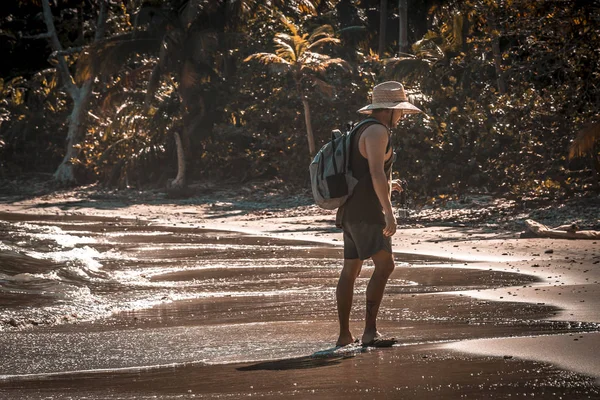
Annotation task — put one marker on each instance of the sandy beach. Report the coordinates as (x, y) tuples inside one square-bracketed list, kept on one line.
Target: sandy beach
[(480, 313)]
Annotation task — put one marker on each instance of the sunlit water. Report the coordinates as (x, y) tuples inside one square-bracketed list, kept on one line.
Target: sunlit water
[(56, 273), (52, 273)]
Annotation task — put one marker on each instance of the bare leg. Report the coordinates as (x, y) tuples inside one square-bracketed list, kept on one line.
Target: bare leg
[(384, 265), (344, 294)]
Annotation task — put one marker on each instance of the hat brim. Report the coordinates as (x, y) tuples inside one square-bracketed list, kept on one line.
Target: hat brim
[(405, 106)]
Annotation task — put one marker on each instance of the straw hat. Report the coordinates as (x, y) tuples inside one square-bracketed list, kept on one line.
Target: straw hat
[(390, 95)]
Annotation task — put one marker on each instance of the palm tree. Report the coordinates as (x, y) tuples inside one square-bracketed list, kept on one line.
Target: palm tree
[(298, 54), (415, 67), (188, 40), (184, 51)]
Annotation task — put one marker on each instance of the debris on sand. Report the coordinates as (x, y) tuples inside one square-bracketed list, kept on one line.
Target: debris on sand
[(535, 229)]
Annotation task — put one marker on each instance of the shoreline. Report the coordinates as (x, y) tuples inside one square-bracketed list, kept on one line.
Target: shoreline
[(568, 270)]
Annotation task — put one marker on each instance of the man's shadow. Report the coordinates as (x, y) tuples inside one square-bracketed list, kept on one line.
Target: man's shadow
[(323, 358), (305, 362)]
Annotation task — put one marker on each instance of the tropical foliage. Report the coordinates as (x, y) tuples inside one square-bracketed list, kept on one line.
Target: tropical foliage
[(297, 54), (177, 95)]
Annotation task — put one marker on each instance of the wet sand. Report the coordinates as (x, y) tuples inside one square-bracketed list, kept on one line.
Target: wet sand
[(417, 372), (478, 313)]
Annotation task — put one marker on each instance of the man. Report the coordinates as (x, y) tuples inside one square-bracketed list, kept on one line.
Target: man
[(367, 218)]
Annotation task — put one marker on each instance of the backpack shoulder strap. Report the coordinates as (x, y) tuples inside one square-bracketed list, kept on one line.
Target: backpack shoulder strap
[(365, 121)]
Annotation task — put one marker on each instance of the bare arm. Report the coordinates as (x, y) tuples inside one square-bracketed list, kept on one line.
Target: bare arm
[(375, 140)]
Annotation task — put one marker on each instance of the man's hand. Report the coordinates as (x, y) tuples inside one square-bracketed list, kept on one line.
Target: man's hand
[(397, 186), (390, 224)]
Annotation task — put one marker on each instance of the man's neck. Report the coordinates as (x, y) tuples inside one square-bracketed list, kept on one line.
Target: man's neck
[(384, 119)]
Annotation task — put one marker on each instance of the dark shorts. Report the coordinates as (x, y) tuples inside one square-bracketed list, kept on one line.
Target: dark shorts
[(364, 240)]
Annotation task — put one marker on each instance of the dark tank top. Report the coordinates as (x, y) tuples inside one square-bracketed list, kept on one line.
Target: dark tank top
[(364, 206)]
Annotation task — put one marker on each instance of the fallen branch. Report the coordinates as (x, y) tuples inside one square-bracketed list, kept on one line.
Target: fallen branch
[(535, 229)]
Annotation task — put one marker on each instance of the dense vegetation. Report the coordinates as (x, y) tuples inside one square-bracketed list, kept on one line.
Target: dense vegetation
[(170, 92)]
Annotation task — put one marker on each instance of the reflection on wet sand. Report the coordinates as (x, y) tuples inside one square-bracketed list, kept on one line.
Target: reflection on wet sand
[(168, 312)]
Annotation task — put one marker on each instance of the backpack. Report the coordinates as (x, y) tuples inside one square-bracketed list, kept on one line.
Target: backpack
[(331, 176)]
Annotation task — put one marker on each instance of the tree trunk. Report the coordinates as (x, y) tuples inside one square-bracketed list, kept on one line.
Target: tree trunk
[(65, 172), (192, 118), (497, 55), (595, 169), (179, 181), (309, 132), (403, 23), (382, 26), (498, 65), (465, 32)]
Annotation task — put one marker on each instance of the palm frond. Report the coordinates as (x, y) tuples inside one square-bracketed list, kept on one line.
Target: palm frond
[(353, 29), (309, 63), (267, 58), (323, 41), (307, 7), (300, 45), (406, 67), (428, 49), (321, 31), (321, 65), (289, 25), (585, 140), (285, 37), (311, 56), (285, 49), (338, 62), (108, 56)]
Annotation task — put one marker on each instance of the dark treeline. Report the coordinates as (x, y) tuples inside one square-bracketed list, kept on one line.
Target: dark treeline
[(160, 93)]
